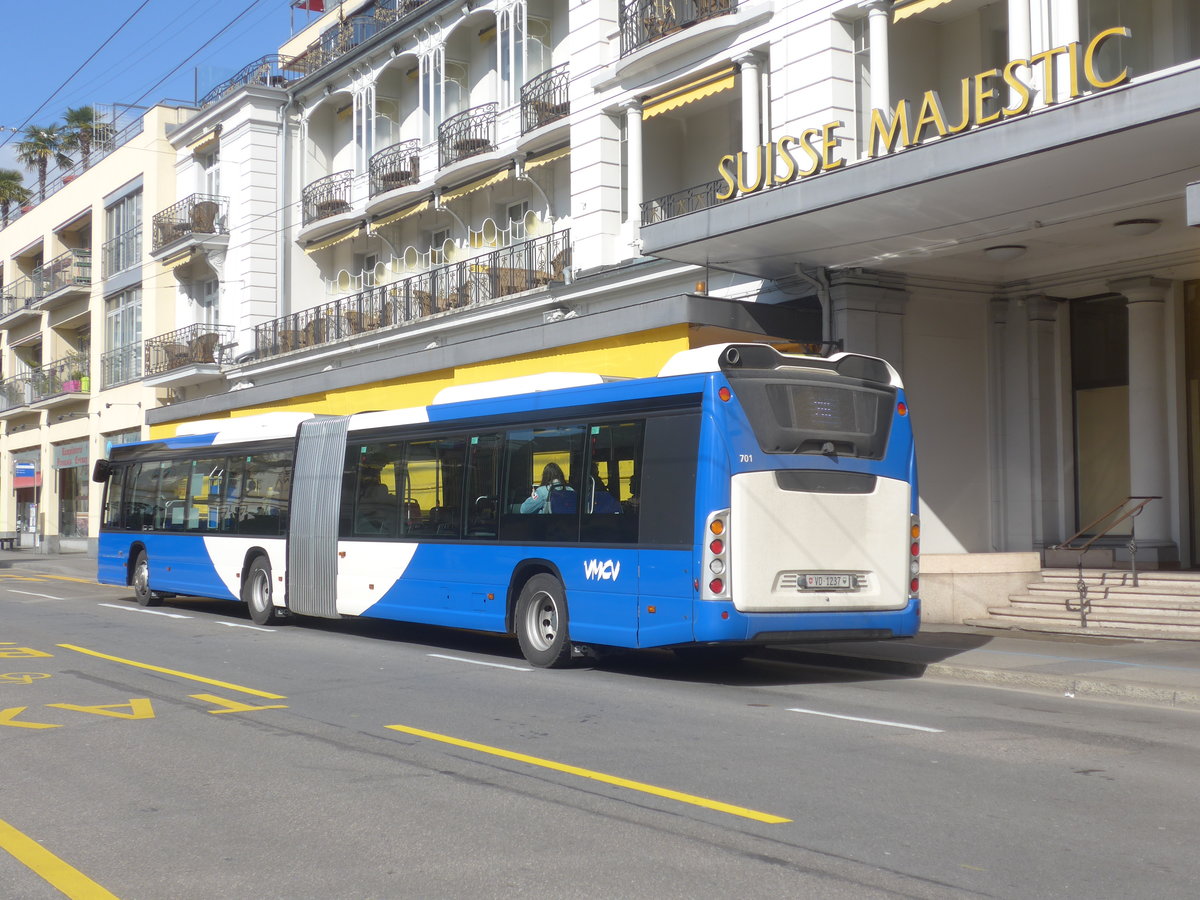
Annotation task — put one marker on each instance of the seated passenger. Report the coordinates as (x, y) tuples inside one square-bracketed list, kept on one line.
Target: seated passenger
[(552, 480)]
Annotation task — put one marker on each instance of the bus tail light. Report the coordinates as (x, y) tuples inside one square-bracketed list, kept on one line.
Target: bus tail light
[(914, 559), (716, 556)]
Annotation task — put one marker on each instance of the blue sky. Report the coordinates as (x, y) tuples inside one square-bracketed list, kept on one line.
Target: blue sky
[(46, 41)]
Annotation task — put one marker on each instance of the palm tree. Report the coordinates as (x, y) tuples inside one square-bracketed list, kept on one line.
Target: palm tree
[(83, 131), (12, 190), (40, 147)]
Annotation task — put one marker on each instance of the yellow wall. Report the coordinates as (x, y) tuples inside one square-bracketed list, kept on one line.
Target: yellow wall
[(633, 356)]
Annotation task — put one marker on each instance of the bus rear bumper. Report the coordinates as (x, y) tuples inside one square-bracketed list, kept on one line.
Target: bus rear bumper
[(717, 621)]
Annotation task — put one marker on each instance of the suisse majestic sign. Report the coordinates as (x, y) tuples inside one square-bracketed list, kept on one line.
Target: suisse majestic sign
[(777, 162)]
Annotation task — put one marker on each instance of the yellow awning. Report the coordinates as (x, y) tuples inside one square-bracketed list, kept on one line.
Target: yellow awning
[(336, 239), (547, 158), (917, 6), (174, 262), (207, 142), (403, 214), (474, 186), (710, 84)]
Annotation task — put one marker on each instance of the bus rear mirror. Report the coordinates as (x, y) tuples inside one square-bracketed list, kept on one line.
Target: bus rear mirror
[(101, 470)]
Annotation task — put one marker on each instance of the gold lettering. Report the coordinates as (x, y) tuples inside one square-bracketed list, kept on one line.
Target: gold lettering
[(931, 114), (806, 145), (760, 165), (1089, 59), (789, 161), (965, 104), (1019, 88), (771, 164), (897, 128), (730, 185), (981, 95), (1047, 57), (1073, 64), (829, 143)]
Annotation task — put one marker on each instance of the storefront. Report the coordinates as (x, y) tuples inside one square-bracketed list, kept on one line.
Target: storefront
[(71, 472), (27, 488)]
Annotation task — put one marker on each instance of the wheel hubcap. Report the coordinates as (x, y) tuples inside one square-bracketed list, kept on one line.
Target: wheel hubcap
[(543, 621), (141, 578)]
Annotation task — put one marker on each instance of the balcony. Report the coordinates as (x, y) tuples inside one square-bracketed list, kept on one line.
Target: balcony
[(467, 134), (20, 296), (121, 253), (16, 392), (680, 203), (269, 71), (348, 34), (63, 380), (326, 197), (187, 355), (646, 21), (544, 99), (466, 284), (67, 276), (395, 167), (121, 365), (190, 221)]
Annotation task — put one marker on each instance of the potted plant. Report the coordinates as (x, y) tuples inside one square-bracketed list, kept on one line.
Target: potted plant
[(72, 384)]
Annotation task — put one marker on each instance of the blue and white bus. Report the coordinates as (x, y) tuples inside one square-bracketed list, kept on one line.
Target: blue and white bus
[(743, 496)]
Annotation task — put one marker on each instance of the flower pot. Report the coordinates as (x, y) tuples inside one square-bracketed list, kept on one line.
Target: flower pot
[(85, 383), (71, 386)]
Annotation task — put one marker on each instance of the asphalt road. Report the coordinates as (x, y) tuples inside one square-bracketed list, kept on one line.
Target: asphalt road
[(182, 752)]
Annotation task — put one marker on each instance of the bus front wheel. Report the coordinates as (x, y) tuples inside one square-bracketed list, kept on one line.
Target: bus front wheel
[(542, 622), (256, 592), (140, 579)]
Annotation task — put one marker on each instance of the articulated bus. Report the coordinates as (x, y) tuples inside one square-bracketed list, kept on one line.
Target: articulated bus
[(742, 497)]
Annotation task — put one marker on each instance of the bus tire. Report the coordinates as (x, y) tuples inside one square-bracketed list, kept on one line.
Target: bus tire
[(139, 578), (541, 622), (257, 593)]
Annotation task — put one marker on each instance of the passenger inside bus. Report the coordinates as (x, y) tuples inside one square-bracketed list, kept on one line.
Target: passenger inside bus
[(552, 494)]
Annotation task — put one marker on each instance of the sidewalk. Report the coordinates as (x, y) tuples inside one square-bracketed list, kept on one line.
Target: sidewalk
[(1159, 672)]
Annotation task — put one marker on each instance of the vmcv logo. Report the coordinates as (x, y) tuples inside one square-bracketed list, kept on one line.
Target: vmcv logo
[(601, 570)]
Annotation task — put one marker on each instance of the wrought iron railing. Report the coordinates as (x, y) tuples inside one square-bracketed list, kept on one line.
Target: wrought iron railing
[(68, 375), (271, 70), (197, 214), (347, 35), (545, 98), (693, 199), (16, 391), (121, 252), (460, 285), (395, 166), (73, 268), (20, 294), (645, 21), (467, 134), (193, 345), (327, 196), (121, 365)]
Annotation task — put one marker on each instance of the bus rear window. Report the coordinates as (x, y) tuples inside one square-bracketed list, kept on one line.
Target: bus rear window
[(810, 413)]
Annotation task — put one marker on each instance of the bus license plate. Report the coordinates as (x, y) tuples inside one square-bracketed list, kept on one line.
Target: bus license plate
[(825, 582)]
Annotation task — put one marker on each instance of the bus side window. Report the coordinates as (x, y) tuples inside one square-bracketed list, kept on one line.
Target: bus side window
[(540, 506), (610, 512), (143, 495), (483, 484), (666, 480), (114, 497), (433, 473), (379, 482), (206, 494)]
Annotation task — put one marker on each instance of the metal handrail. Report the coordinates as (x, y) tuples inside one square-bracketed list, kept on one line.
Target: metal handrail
[(1131, 515)]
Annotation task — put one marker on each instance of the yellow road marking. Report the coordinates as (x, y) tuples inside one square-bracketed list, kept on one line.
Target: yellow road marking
[(38, 576), (597, 776), (232, 705), (49, 867), (176, 673)]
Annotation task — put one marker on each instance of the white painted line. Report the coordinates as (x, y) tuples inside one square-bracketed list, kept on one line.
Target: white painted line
[(138, 609), (813, 712), (251, 627), (476, 662), (32, 594)]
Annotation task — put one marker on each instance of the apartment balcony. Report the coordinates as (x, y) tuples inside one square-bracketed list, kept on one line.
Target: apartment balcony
[(65, 278), (121, 365), (19, 300), (269, 71), (327, 197), (459, 286), (646, 21), (469, 133), (545, 99), (351, 32), (199, 220), (62, 381), (121, 252), (16, 393), (680, 203), (186, 356), (395, 167)]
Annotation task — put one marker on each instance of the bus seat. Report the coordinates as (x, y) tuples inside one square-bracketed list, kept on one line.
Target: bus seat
[(563, 500)]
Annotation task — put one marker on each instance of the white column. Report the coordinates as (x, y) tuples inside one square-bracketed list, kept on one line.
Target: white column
[(633, 167), (881, 87), (1020, 36), (751, 78), (1149, 473), (1065, 30)]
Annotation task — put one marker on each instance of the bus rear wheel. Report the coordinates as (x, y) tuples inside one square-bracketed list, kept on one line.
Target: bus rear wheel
[(542, 622), (140, 580), (256, 592)]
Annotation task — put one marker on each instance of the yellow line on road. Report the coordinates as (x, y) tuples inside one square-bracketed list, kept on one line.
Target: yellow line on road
[(49, 867), (176, 673), (597, 776)]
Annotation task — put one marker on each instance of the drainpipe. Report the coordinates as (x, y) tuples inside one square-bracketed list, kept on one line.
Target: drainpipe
[(820, 284), (285, 210)]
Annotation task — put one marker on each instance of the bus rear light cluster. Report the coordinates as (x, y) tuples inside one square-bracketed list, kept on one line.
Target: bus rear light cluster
[(914, 560), (716, 556)]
